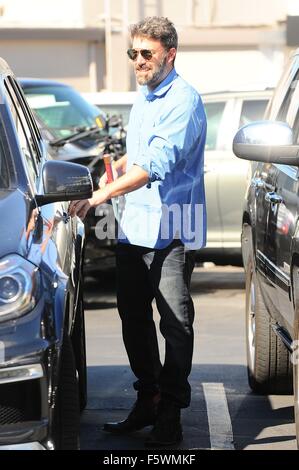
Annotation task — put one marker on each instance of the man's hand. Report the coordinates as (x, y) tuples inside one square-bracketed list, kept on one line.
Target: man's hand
[(104, 179), (118, 169), (132, 180), (81, 207)]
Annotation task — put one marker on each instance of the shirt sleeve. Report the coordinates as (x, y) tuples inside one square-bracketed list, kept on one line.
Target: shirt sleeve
[(173, 138)]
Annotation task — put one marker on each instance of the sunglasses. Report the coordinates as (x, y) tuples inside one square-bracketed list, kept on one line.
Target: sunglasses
[(147, 54)]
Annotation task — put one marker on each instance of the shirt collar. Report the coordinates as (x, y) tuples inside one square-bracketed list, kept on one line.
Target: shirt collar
[(162, 88)]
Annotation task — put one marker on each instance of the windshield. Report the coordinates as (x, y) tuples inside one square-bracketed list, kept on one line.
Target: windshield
[(62, 109)]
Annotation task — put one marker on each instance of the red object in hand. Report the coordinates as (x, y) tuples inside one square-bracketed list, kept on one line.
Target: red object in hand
[(108, 168)]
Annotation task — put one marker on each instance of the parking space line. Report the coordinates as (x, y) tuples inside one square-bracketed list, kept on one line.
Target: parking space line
[(220, 426)]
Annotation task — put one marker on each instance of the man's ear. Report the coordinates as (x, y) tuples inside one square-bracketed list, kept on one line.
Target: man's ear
[(171, 54)]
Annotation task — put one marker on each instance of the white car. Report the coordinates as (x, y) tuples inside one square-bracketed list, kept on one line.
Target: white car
[(225, 176), (113, 103)]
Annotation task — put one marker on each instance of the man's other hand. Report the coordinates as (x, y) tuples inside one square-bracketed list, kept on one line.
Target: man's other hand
[(104, 179)]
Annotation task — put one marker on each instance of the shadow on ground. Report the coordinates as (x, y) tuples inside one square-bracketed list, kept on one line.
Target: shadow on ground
[(111, 396), (210, 280), (100, 291)]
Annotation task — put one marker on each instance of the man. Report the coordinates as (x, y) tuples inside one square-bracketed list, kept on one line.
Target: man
[(163, 222)]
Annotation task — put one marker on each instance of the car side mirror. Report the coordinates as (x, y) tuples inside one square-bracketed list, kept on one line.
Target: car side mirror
[(64, 181), (266, 141)]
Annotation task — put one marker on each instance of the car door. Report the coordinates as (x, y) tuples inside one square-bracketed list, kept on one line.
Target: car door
[(263, 184), (283, 216), (217, 111), (56, 228), (232, 179)]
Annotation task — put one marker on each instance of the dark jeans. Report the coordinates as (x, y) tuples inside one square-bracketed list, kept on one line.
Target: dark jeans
[(142, 275)]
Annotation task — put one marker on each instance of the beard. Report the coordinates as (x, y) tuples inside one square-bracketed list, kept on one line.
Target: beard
[(151, 77)]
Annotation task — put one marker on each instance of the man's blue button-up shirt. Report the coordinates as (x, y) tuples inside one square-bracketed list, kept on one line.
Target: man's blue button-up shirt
[(166, 137)]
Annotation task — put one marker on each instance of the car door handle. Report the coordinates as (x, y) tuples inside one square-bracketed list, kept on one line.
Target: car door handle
[(62, 216), (65, 217), (258, 183), (273, 198)]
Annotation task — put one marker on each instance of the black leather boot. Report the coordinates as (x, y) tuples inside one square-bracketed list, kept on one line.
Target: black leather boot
[(167, 430), (144, 413)]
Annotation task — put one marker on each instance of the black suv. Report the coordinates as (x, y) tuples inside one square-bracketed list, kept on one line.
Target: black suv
[(270, 242), (42, 338)]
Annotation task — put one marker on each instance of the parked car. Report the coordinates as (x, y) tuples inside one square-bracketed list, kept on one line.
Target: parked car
[(42, 337), (113, 103), (270, 242), (225, 177), (77, 131), (61, 108)]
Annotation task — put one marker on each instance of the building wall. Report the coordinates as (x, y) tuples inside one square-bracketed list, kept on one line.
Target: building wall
[(42, 12), (222, 42), (64, 60), (201, 13), (236, 12), (245, 40), (230, 69)]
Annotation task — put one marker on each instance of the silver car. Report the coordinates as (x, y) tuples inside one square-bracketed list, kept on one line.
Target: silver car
[(226, 176)]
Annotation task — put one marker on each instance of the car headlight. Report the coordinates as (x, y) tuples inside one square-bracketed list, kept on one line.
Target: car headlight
[(19, 286)]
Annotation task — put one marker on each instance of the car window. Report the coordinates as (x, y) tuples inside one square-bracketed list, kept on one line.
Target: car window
[(280, 91), (33, 125), (62, 109), (214, 112), (283, 111), (23, 133), (4, 173), (296, 128), (252, 110)]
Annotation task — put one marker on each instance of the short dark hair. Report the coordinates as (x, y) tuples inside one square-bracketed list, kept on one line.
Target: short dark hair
[(158, 28)]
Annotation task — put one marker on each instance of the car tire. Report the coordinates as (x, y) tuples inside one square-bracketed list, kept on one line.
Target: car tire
[(67, 413), (79, 345), (269, 367)]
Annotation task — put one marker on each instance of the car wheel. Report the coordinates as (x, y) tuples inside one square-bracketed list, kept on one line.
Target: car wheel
[(66, 413), (269, 368), (79, 345)]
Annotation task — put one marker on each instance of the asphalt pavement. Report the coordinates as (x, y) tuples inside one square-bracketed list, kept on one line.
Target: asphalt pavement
[(224, 413)]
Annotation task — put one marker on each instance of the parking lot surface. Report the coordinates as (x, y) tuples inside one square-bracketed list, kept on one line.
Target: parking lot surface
[(224, 413)]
